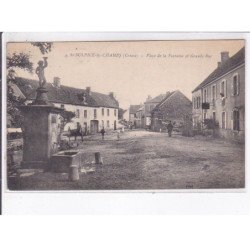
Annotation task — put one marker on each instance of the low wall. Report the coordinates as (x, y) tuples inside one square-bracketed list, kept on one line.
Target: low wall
[(233, 135)]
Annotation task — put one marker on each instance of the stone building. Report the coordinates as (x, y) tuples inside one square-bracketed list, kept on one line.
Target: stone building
[(175, 107), (140, 117), (132, 114), (149, 105), (93, 110), (221, 97)]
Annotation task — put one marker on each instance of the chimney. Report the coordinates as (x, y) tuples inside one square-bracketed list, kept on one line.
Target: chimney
[(167, 93), (57, 82), (88, 90), (149, 97), (111, 94), (224, 56), (219, 64)]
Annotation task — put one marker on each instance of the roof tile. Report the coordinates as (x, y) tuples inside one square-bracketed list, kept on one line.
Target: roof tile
[(66, 95)]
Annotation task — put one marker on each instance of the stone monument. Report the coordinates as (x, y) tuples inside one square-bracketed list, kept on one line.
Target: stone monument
[(41, 126)]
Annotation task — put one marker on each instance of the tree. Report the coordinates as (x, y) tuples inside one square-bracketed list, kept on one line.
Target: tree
[(66, 117), (14, 97)]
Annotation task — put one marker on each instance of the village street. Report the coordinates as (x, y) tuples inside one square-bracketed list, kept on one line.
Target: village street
[(149, 160)]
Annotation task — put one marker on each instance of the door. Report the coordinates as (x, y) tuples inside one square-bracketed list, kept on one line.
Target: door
[(85, 128), (94, 126)]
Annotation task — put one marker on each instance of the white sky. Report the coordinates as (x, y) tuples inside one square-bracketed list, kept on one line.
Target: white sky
[(131, 78)]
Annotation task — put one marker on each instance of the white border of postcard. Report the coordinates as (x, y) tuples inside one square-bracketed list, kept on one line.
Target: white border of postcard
[(198, 201)]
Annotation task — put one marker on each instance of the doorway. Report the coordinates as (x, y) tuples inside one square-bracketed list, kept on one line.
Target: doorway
[(94, 124)]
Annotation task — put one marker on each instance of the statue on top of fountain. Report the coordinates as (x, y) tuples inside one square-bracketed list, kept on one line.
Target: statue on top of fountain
[(40, 72)]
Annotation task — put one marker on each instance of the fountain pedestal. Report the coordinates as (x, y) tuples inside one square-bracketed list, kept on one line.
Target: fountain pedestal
[(41, 129)]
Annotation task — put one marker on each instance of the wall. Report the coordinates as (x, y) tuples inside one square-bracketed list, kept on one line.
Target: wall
[(148, 107), (196, 109), (176, 107), (132, 118), (230, 102), (90, 116)]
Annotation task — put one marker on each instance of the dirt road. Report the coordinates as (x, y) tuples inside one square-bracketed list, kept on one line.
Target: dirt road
[(149, 160)]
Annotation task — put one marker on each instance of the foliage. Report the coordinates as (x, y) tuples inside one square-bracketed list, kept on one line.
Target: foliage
[(210, 123), (14, 116), (19, 61), (66, 117), (44, 47)]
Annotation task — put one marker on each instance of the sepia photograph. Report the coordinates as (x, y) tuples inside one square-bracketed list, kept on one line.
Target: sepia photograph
[(125, 115)]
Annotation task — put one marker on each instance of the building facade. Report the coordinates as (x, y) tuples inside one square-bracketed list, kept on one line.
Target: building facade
[(221, 98), (175, 107), (149, 105), (132, 114), (93, 110)]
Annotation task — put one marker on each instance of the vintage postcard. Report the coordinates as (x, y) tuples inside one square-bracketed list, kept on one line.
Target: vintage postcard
[(125, 114)]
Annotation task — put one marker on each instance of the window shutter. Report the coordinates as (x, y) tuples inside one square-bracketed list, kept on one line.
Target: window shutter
[(225, 120), (225, 88), (232, 87), (238, 84), (232, 120)]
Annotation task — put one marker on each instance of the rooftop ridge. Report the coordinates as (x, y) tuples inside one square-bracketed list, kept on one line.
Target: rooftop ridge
[(233, 62)]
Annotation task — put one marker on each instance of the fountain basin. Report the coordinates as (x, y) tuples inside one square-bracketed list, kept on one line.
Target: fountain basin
[(64, 160)]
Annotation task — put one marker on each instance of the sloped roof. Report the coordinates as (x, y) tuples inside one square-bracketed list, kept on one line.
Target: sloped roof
[(16, 91), (158, 98), (163, 100), (66, 95), (168, 97), (140, 109), (233, 62), (133, 108)]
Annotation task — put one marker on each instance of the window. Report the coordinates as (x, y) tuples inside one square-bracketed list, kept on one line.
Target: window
[(197, 102), (194, 103), (95, 114), (213, 93), (205, 95), (107, 112), (102, 124), (62, 106), (107, 124), (236, 120), (223, 87), (205, 116), (102, 111), (85, 114), (214, 117), (235, 84), (77, 113), (223, 120), (114, 112)]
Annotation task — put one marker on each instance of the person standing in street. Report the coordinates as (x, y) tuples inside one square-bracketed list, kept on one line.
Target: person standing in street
[(103, 133), (118, 134), (170, 128)]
